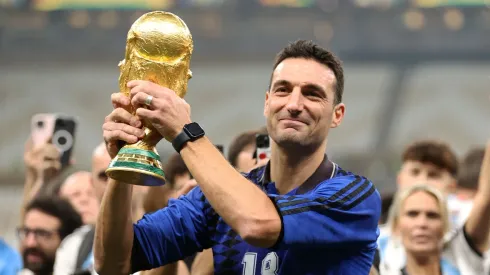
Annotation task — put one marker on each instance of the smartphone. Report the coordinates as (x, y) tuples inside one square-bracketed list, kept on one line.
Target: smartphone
[(263, 147), (58, 129)]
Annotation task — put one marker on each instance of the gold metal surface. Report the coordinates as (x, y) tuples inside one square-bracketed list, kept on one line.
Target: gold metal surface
[(158, 49)]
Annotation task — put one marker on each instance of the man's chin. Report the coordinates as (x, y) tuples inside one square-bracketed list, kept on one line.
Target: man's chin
[(291, 140)]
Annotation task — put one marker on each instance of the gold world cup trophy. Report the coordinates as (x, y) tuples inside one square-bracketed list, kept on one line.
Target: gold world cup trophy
[(158, 49)]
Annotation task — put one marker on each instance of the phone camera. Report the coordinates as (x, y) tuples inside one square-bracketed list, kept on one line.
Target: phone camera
[(40, 124), (62, 140)]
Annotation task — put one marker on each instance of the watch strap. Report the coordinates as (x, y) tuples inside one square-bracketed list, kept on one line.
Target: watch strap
[(180, 140)]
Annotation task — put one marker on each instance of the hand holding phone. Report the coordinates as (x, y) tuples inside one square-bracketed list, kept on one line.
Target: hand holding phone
[(56, 129), (263, 149)]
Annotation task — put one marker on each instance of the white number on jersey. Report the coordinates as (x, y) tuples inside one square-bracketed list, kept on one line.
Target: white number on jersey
[(270, 264)]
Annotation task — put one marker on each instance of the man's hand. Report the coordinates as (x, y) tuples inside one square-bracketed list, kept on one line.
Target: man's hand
[(167, 112), (42, 161), (120, 125)]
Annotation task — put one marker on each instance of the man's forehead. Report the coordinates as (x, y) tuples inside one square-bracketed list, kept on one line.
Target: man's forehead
[(424, 165), (39, 219), (300, 71)]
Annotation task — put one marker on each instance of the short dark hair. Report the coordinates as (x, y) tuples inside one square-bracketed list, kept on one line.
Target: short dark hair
[(433, 152), (241, 141), (470, 169), (60, 209), (175, 166), (307, 49)]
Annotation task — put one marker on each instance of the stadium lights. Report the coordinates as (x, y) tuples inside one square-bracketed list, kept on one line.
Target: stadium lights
[(454, 19), (79, 19), (107, 19), (414, 20)]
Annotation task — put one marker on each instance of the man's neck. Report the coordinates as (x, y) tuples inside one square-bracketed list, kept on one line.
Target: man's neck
[(288, 171), (425, 265)]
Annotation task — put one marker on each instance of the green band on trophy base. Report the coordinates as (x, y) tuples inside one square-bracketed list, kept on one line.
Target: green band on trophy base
[(140, 152), (137, 166)]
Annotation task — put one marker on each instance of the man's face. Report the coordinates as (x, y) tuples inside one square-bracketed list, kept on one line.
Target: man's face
[(414, 172), (300, 107), (100, 162), (80, 192), (39, 240)]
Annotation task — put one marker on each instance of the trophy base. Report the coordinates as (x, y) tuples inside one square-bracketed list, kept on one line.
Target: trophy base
[(138, 167)]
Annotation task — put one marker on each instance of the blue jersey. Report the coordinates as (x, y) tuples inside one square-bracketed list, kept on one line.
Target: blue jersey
[(329, 226), (10, 260)]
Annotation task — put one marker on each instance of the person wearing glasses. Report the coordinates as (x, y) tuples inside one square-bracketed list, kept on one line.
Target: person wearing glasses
[(47, 221)]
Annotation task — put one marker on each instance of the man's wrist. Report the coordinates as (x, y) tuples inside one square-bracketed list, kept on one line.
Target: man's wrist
[(190, 132)]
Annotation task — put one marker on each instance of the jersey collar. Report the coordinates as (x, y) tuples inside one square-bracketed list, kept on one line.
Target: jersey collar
[(325, 171)]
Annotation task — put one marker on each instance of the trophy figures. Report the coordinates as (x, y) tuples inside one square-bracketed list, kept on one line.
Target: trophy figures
[(158, 49)]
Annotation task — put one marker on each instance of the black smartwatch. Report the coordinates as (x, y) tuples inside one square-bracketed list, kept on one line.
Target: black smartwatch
[(191, 132)]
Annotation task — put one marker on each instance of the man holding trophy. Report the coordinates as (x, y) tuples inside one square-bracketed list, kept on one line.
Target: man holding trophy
[(299, 214)]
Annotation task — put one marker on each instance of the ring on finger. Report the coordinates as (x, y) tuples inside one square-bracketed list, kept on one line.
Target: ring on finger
[(148, 100)]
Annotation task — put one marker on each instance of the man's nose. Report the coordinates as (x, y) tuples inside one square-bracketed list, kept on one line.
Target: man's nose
[(30, 240), (295, 101)]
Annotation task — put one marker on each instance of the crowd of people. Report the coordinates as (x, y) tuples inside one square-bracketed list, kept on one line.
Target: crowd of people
[(297, 212)]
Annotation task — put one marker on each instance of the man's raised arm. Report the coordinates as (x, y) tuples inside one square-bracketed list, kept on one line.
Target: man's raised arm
[(162, 237), (114, 230)]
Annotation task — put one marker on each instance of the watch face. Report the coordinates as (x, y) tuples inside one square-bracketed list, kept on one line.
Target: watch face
[(194, 130)]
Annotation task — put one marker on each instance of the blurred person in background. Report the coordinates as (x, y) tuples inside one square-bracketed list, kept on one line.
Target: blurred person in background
[(242, 149), (42, 166), (74, 255), (10, 259), (461, 201), (179, 182), (47, 221), (425, 161), (272, 212), (429, 161), (420, 217), (419, 222), (80, 192)]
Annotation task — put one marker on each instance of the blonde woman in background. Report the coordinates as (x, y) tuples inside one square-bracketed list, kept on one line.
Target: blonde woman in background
[(419, 217)]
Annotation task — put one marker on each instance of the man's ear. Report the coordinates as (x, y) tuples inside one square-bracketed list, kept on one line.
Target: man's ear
[(337, 115), (266, 103)]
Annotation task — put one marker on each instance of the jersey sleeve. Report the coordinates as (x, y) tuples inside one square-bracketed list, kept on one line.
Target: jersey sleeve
[(171, 233), (461, 254), (343, 211)]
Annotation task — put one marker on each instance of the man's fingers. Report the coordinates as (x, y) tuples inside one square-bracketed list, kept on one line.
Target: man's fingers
[(119, 100), (128, 129), (143, 113), (139, 101), (123, 116), (115, 135), (133, 83)]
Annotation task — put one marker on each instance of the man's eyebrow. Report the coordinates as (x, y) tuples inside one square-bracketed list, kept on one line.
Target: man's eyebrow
[(316, 87), (281, 82)]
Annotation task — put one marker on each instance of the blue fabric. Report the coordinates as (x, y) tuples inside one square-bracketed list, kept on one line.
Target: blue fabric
[(331, 229), (89, 262), (10, 260), (448, 269)]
